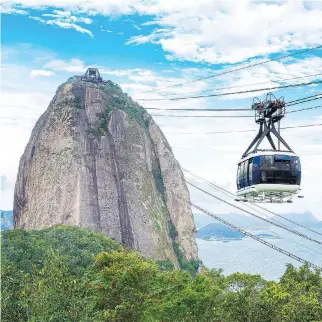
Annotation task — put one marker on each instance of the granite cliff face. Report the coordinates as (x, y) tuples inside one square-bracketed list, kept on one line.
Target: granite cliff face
[(96, 159)]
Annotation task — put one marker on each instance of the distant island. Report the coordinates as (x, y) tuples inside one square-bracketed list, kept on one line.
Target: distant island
[(220, 232), (217, 231), (267, 236)]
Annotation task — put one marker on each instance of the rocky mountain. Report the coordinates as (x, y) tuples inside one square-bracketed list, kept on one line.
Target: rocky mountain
[(96, 159)]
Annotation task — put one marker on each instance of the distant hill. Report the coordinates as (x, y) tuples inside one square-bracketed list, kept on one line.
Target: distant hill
[(216, 231), (242, 221), (307, 219), (6, 219), (250, 222)]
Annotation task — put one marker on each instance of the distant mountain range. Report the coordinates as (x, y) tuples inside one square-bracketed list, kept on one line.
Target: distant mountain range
[(249, 222), (210, 229), (6, 219)]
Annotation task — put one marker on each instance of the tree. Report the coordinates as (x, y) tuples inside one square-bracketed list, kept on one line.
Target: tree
[(241, 297), (51, 293), (121, 283)]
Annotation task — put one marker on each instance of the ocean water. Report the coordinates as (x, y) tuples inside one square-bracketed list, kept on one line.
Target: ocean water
[(250, 256)]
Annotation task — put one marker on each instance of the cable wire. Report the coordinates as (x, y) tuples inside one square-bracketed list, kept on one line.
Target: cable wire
[(252, 214), (304, 101), (227, 192), (201, 109), (304, 109), (230, 93), (226, 109), (243, 131), (291, 255), (216, 116), (307, 97), (220, 116), (237, 69), (246, 85)]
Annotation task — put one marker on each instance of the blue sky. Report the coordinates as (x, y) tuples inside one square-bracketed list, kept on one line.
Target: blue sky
[(144, 45)]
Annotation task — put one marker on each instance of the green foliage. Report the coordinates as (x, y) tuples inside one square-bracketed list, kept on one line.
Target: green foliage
[(122, 101), (61, 86), (121, 283), (165, 265), (71, 274), (243, 292), (92, 131), (78, 247), (172, 230), (51, 293), (185, 298), (157, 176), (78, 103), (136, 114), (104, 119), (12, 284), (191, 266)]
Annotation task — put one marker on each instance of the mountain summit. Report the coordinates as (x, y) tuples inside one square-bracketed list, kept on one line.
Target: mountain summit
[(96, 159)]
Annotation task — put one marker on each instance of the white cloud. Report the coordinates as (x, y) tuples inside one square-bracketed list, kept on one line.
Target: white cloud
[(41, 72), (230, 32), (137, 27), (153, 38), (58, 14), (8, 9), (65, 20), (106, 30), (67, 25), (204, 31), (66, 16), (72, 66)]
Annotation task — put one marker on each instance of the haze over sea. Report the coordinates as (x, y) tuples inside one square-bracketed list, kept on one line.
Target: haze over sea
[(250, 256)]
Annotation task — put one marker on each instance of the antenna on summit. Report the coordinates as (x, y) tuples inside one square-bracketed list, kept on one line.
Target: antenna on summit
[(92, 75)]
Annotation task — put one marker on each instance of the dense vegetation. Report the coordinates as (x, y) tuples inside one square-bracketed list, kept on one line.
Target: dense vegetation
[(71, 274)]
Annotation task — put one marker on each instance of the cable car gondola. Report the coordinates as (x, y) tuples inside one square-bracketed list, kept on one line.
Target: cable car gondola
[(272, 175)]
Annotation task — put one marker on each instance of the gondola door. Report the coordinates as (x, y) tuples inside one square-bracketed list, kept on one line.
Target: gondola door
[(250, 172)]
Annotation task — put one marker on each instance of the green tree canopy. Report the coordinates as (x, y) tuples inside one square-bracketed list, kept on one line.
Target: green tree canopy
[(71, 274)]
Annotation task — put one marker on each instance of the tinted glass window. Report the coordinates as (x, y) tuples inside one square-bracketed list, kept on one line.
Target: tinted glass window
[(282, 165), (245, 168), (295, 163), (242, 169), (267, 161), (250, 170), (238, 171)]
